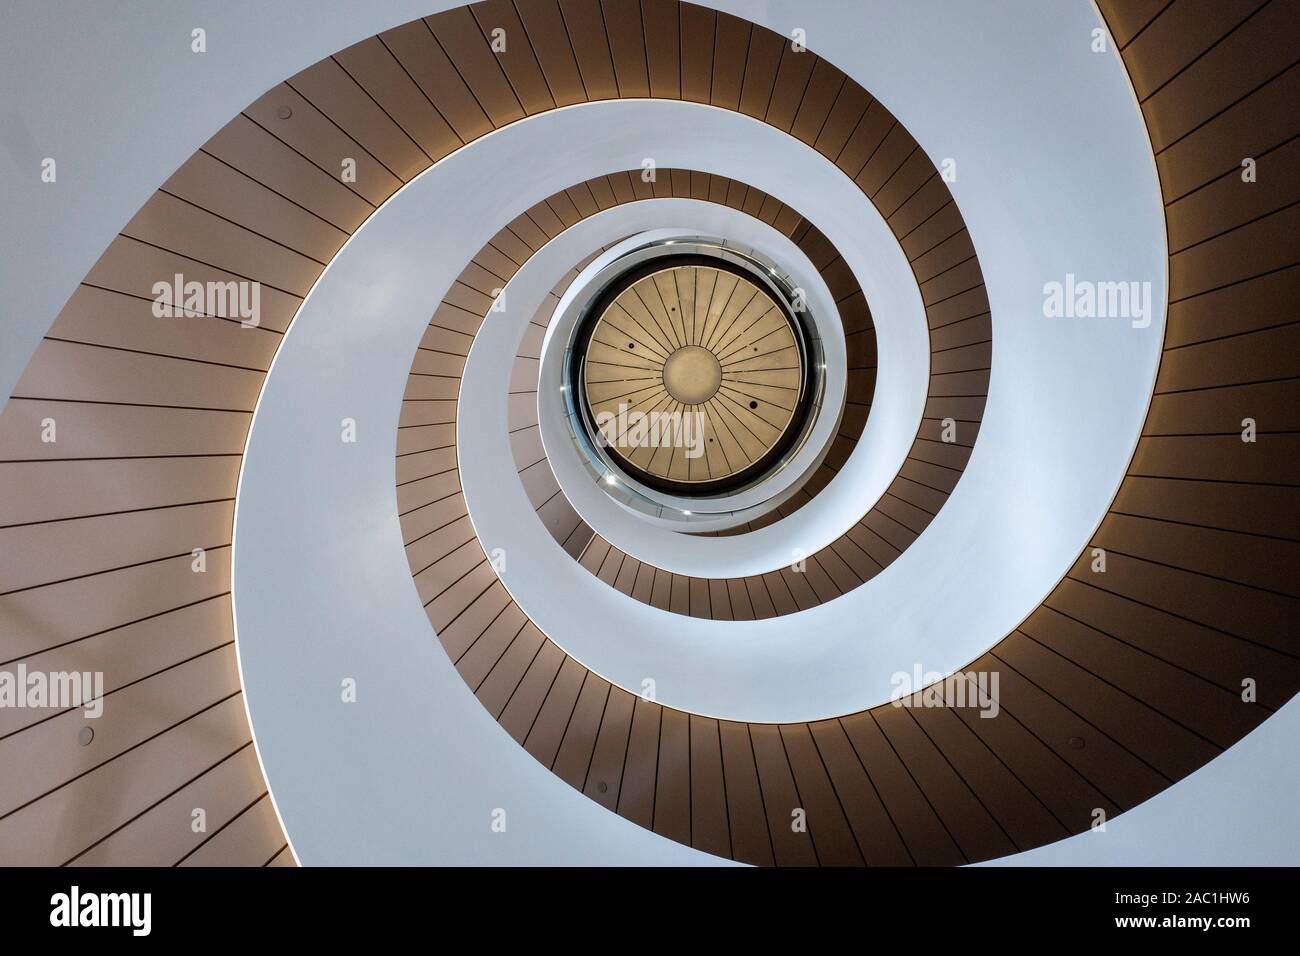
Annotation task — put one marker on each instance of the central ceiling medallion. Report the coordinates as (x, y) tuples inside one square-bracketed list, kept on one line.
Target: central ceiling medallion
[(694, 375)]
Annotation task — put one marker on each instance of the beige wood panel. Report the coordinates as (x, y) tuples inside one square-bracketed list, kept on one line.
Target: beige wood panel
[(479, 660), (99, 818), (221, 789), (636, 801), (498, 687), (424, 60), (257, 155), (210, 184), (548, 729), (127, 654), (191, 231), (50, 752), (106, 318), (374, 68), (461, 39), (874, 832), (133, 267), (115, 485), (517, 60), (585, 25), (310, 133), (341, 100), (53, 615), (782, 801), (60, 550), (579, 737), (627, 44), (524, 702), (253, 838)]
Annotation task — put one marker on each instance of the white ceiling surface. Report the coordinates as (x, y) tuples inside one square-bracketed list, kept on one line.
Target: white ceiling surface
[(122, 102)]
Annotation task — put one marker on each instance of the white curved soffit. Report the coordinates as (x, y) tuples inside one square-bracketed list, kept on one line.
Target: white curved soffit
[(337, 575)]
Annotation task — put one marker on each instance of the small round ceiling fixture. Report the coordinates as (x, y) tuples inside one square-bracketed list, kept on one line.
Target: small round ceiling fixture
[(692, 375)]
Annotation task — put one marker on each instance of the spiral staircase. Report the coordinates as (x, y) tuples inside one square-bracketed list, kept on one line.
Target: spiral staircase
[(367, 584)]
